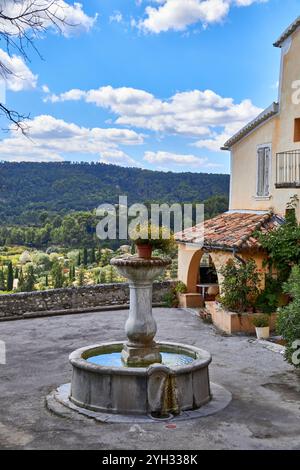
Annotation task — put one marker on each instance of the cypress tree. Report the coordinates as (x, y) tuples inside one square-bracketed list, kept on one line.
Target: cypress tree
[(2, 280), (81, 278), (93, 256), (72, 273), (109, 274), (85, 257), (10, 276), (17, 273), (30, 279), (79, 259), (46, 281), (102, 277), (57, 276), (21, 281)]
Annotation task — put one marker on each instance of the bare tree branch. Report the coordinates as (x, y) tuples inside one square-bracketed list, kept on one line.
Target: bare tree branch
[(21, 23), (18, 120)]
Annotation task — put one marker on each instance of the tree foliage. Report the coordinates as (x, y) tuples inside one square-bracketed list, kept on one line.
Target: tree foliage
[(240, 285), (288, 323), (33, 193), (10, 276), (283, 246), (27, 281), (57, 275)]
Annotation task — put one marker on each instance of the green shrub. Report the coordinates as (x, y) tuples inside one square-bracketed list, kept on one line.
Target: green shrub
[(261, 321), (240, 285), (268, 300), (171, 298), (283, 244), (180, 287), (288, 322)]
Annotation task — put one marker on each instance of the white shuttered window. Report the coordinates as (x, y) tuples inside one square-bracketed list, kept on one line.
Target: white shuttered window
[(263, 171)]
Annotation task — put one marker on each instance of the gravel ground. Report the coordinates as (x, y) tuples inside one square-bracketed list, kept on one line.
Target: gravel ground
[(264, 412)]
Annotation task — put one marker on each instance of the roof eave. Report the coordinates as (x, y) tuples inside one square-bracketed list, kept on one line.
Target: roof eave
[(287, 33), (267, 114)]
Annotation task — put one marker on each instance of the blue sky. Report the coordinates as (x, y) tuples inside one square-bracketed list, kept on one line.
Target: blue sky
[(147, 83)]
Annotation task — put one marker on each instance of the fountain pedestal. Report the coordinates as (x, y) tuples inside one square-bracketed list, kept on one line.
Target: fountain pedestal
[(140, 350)]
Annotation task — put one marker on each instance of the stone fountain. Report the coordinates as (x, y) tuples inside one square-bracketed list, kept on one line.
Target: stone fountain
[(140, 376)]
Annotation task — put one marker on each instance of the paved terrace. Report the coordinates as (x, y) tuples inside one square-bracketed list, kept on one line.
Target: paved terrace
[(264, 412)]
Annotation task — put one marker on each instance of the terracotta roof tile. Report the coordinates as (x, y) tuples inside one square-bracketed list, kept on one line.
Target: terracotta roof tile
[(231, 230)]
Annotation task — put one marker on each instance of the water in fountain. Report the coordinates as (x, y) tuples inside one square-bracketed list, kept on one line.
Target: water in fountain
[(114, 359)]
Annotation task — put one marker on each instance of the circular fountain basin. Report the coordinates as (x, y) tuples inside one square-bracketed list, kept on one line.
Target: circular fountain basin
[(102, 383)]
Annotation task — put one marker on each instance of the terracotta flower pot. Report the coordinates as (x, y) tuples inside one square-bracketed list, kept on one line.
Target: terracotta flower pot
[(144, 251)]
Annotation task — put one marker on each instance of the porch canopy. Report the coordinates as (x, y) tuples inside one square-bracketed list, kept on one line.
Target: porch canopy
[(224, 236)]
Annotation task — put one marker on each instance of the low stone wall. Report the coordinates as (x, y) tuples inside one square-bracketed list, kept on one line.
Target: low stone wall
[(72, 300)]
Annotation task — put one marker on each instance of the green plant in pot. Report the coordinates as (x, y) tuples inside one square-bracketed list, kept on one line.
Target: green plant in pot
[(171, 299), (262, 326), (151, 237)]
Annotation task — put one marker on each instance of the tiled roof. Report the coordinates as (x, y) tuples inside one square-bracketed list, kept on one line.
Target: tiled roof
[(262, 117), (231, 230), (290, 30)]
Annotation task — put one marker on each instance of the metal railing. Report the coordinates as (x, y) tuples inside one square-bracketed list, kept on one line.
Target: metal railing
[(288, 169)]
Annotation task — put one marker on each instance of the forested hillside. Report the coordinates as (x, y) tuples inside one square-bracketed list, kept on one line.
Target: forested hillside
[(30, 192)]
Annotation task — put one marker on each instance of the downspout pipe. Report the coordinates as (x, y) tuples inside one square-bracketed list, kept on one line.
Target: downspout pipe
[(241, 260), (231, 250)]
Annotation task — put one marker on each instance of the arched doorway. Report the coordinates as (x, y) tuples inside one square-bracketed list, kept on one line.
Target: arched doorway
[(207, 270), (208, 278), (201, 273), (193, 271)]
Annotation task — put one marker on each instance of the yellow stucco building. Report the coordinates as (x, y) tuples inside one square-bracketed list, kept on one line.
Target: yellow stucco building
[(265, 175)]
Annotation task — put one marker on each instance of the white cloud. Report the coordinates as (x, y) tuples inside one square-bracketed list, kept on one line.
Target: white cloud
[(177, 15), (71, 95), (45, 89), (51, 139), (204, 115), (117, 157), (70, 18), (160, 158), (18, 76), (116, 17)]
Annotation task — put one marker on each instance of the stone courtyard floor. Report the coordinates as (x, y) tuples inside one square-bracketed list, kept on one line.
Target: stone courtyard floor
[(264, 412)]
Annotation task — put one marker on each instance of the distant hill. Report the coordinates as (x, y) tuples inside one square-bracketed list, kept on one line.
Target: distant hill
[(29, 189)]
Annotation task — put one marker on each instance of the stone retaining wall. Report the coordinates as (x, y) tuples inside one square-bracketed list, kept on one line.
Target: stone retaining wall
[(72, 300)]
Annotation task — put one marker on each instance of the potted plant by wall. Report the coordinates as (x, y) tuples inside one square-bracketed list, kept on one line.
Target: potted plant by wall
[(151, 237), (180, 289), (262, 326)]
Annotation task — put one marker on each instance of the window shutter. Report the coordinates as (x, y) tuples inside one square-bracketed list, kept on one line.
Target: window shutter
[(267, 171), (263, 171), (260, 172)]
